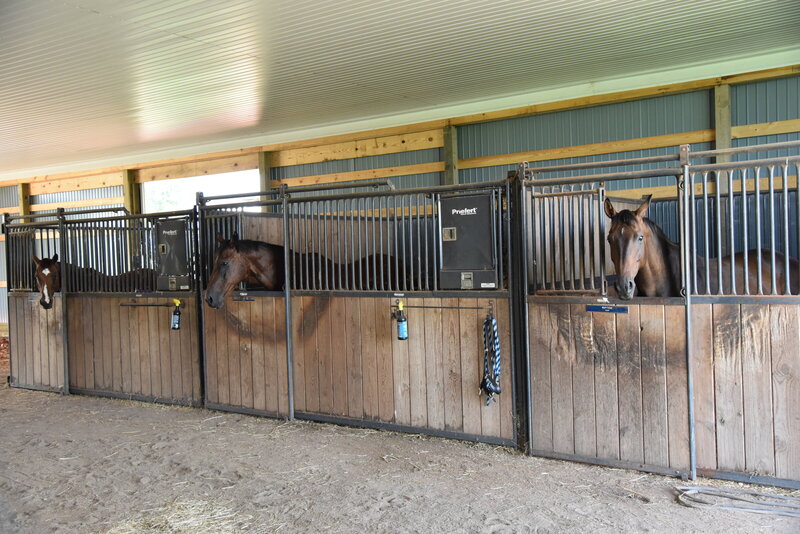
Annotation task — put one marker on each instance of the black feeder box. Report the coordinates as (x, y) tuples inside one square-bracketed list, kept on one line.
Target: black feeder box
[(174, 265), (467, 255)]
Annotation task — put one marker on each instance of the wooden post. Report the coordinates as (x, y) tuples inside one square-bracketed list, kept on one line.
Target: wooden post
[(131, 192), (450, 155), (24, 198), (265, 176), (722, 139)]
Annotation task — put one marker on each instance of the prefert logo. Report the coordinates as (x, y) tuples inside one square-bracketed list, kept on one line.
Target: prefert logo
[(465, 211)]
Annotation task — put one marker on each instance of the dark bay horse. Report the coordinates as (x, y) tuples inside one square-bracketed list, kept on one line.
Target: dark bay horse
[(648, 264), (259, 263), (48, 277)]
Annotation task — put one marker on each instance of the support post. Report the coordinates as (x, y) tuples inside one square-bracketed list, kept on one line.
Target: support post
[(265, 176), (24, 198), (722, 121), (131, 192), (450, 155)]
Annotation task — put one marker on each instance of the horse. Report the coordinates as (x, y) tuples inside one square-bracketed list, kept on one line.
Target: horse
[(48, 276), (259, 263), (648, 263)]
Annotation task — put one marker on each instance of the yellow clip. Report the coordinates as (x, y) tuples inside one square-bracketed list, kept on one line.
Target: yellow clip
[(176, 302), (400, 305)]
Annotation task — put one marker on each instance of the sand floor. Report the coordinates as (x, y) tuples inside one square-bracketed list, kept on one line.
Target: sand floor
[(82, 464)]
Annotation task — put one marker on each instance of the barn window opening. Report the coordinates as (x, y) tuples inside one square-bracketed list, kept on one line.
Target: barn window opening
[(181, 193)]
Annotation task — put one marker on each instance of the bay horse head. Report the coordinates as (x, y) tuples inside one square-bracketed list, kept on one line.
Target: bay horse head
[(48, 276), (646, 262), (243, 260)]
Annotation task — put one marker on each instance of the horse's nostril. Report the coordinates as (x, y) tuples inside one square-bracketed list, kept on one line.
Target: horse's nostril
[(630, 284)]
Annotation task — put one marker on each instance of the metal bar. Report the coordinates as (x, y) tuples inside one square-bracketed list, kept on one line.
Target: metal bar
[(357, 184), (720, 237), (396, 246), (731, 234), (670, 171), (688, 194), (752, 163), (607, 163), (772, 244), (787, 271), (758, 230), (751, 148), (745, 231), (287, 297), (32, 216)]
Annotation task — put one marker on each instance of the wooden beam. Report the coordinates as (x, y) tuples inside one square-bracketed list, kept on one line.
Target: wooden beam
[(722, 120), (86, 203), (374, 146), (24, 198), (77, 184), (765, 128), (131, 192), (594, 149), (450, 155), (198, 168), (264, 176), (370, 174)]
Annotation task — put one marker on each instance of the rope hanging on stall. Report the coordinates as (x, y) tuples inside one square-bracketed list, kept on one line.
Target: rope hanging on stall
[(491, 359)]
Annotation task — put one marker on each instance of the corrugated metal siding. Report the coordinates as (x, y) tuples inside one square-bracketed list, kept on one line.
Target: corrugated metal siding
[(8, 196), (765, 101)]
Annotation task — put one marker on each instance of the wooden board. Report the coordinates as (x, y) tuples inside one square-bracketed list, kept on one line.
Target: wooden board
[(728, 387), (130, 350), (35, 338)]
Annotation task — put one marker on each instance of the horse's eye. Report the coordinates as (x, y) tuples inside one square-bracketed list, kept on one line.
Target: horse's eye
[(224, 263), (641, 238)]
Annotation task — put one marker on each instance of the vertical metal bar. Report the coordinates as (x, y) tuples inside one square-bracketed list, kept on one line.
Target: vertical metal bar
[(287, 297), (404, 243), (64, 289), (328, 246), (601, 198), (758, 231), (358, 229), (732, 245), (592, 239), (396, 286), (745, 231), (707, 244), (419, 245), (688, 193), (787, 290), (772, 243), (719, 232), (436, 222)]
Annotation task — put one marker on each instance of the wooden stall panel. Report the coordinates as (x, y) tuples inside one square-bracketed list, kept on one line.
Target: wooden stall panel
[(130, 351), (246, 356), (36, 342), (602, 387), (348, 363)]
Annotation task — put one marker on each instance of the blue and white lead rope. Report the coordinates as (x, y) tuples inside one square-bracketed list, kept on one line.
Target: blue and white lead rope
[(491, 351)]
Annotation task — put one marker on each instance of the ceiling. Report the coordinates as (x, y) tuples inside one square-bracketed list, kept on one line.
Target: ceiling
[(94, 83)]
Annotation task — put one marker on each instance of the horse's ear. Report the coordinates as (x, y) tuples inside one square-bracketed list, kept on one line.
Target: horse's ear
[(55, 257), (610, 211), (220, 239), (235, 237), (37, 261), (641, 211)]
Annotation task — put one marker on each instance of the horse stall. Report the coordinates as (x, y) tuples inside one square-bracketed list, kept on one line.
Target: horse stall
[(700, 381), (131, 307), (352, 259), (36, 340)]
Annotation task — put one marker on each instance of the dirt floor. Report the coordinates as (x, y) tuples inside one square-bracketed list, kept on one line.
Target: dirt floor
[(82, 464)]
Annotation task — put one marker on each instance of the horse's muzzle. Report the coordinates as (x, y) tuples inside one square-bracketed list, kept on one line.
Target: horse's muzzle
[(625, 289), (46, 305), (214, 303)]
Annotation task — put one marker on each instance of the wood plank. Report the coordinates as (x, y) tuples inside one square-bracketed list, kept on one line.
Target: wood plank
[(116, 345), (26, 371), (195, 356), (175, 356), (785, 338), (367, 174), (13, 339), (384, 333), (703, 378), (185, 169), (490, 415), (506, 401), (245, 354), (451, 345), (765, 128), (190, 359), (280, 355), (152, 340), (654, 385), (44, 344), (35, 328), (210, 319), (541, 327), (258, 353), (358, 148), (272, 357), (583, 390), (677, 394), (417, 379), (434, 362), (75, 184), (123, 331), (605, 385), (55, 327), (562, 359), (102, 352), (298, 355), (369, 356), (85, 203), (223, 353), (728, 387), (402, 394), (135, 351), (88, 343), (325, 350), (629, 384), (310, 353), (144, 350), (355, 380), (759, 449), (162, 332), (234, 353)]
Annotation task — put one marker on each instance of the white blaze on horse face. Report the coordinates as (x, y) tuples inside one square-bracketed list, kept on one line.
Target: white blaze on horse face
[(45, 271), (46, 294)]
